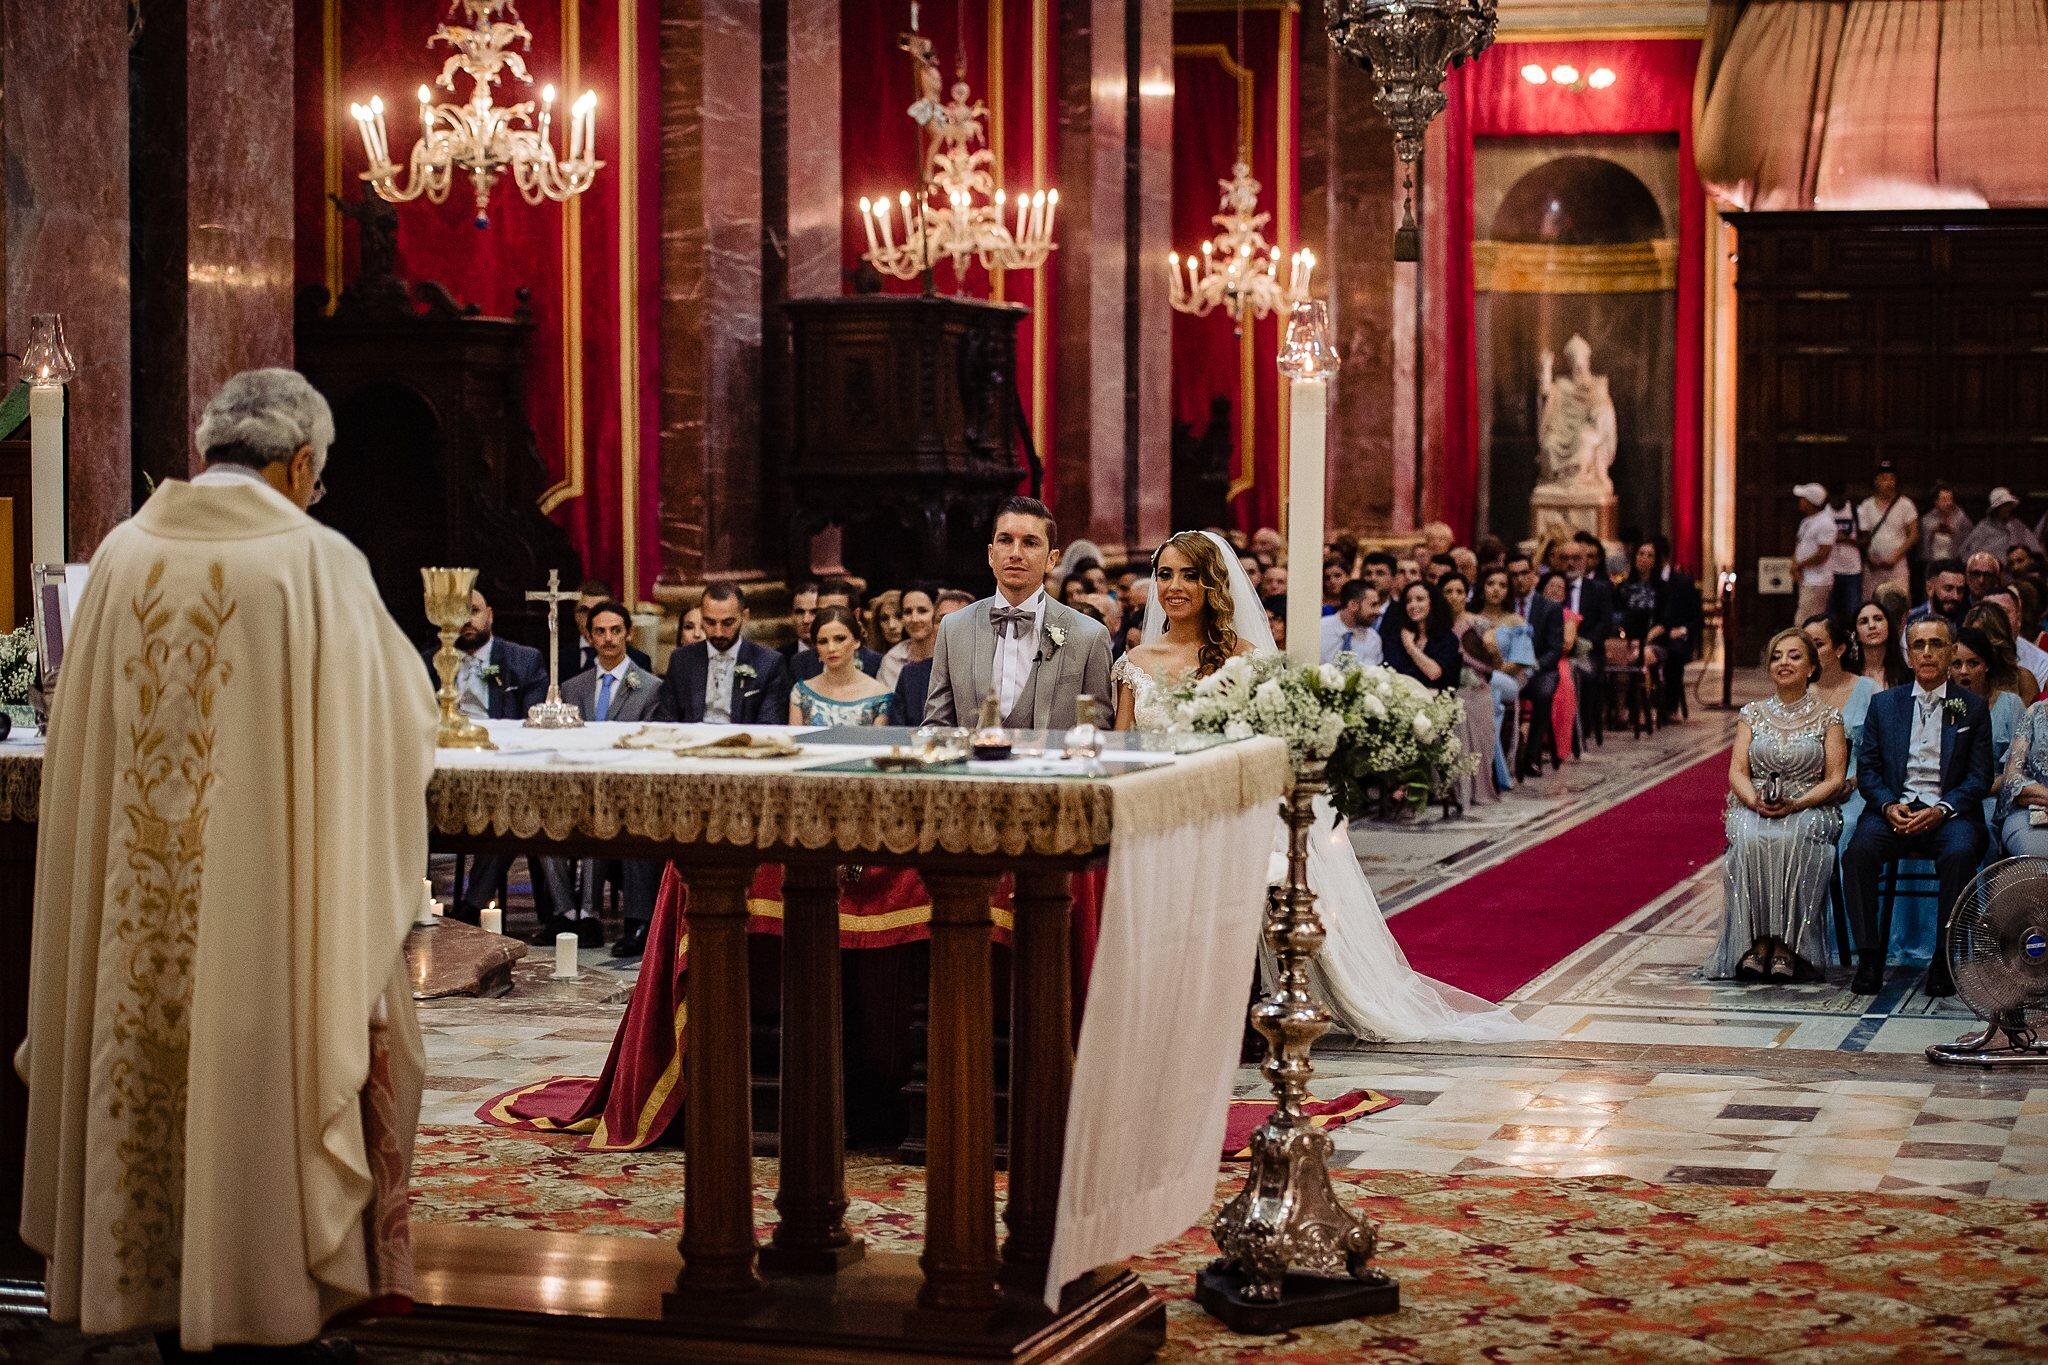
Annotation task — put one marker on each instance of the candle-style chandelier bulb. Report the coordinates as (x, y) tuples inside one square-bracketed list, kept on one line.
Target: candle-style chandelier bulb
[(1307, 352), (46, 361)]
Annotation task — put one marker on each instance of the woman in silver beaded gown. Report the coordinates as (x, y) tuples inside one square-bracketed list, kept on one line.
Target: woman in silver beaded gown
[(1784, 817)]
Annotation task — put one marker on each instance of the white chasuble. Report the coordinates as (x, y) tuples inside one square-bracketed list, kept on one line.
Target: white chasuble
[(233, 831)]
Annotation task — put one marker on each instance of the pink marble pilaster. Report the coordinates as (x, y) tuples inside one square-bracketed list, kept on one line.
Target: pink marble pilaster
[(711, 156), (66, 153), (816, 208), (238, 149), (1151, 238)]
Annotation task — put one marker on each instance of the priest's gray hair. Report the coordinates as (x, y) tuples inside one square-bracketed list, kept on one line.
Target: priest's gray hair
[(262, 417)]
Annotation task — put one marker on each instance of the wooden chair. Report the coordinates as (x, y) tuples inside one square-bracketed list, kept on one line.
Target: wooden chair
[(1634, 681)]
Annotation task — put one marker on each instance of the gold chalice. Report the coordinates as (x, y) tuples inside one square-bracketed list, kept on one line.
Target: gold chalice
[(448, 607)]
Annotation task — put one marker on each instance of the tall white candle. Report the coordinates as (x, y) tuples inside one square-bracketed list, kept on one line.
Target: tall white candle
[(46, 473), (492, 919), (565, 955), (1308, 401), (427, 911)]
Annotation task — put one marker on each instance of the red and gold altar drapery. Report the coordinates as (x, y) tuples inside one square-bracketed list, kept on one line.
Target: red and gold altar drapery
[(1875, 104), (1224, 109), (1652, 93), (590, 266), (1008, 50)]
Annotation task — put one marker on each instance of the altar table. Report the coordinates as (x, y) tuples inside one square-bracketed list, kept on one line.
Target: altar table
[(1090, 1180)]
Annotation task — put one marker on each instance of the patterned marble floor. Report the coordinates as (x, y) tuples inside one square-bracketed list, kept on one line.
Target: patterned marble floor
[(1651, 1072)]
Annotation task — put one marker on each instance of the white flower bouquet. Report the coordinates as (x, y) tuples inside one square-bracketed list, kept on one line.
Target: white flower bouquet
[(17, 666), (1375, 729)]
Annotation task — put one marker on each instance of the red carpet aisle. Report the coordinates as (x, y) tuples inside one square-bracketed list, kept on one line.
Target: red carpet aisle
[(1511, 923)]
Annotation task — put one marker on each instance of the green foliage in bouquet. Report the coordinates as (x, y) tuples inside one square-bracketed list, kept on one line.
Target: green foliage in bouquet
[(1373, 727)]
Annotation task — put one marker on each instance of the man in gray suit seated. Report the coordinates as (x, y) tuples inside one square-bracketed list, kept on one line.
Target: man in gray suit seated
[(1037, 656), (616, 688)]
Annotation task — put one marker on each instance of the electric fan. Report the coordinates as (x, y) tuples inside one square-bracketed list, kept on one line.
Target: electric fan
[(1998, 953)]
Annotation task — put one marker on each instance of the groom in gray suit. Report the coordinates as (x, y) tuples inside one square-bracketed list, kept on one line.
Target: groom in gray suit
[(1035, 654), (615, 688)]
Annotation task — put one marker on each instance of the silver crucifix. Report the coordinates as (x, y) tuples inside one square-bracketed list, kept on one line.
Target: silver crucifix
[(554, 713)]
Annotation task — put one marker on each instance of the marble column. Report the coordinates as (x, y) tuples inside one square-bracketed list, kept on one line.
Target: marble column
[(712, 485), (1112, 442), (1350, 202), (801, 209), (212, 217), (67, 226)]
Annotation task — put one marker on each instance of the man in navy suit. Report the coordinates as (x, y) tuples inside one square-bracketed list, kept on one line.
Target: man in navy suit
[(1546, 624), (1924, 771), (494, 680), (725, 678)]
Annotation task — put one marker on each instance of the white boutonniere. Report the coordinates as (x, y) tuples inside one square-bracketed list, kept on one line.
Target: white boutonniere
[(744, 670), (1057, 635), (1954, 706), (632, 679), (492, 673)]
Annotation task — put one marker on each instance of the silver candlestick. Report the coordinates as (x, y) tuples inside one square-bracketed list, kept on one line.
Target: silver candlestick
[(1292, 1254), (554, 713)]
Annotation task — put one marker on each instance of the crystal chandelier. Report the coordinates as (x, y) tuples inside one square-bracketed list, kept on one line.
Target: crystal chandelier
[(481, 138), (1409, 47), (969, 225), (1237, 269)]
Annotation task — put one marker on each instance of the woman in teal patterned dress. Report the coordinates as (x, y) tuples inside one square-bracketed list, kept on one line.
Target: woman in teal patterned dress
[(841, 694)]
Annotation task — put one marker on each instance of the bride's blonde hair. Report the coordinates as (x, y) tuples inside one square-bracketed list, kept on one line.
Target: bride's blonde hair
[(1219, 636)]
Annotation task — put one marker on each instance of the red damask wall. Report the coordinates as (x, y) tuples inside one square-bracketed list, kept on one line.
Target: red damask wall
[(594, 376)]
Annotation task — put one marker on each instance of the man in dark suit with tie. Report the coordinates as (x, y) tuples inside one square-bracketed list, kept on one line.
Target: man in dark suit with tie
[(724, 678), (1587, 592), (578, 654), (1924, 770), (618, 690), (494, 680), (1546, 626), (1685, 620)]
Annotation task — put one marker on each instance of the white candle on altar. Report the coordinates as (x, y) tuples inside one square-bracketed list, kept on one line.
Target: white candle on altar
[(565, 955), (46, 473), (1308, 361), (492, 919), (427, 909)]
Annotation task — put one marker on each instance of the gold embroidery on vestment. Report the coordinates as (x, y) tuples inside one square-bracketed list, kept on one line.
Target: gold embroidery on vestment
[(177, 671)]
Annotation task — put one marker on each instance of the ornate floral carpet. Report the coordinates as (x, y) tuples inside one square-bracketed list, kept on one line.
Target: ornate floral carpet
[(1599, 1268)]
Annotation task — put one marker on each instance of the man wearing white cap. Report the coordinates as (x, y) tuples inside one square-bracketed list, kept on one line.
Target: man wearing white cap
[(2000, 530), (1814, 552)]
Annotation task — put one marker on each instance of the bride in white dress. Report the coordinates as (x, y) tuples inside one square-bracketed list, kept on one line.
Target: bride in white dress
[(1203, 611)]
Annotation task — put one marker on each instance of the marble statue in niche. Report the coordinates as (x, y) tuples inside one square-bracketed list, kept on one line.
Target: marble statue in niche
[(1576, 444)]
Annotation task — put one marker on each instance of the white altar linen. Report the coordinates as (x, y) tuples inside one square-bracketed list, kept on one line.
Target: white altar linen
[(1181, 916)]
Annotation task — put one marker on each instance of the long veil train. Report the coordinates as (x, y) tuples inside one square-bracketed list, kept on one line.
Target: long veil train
[(1361, 975)]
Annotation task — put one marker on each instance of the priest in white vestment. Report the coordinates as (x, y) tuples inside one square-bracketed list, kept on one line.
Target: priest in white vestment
[(222, 1059)]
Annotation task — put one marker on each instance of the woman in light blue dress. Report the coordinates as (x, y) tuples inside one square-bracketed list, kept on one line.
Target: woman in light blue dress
[(1515, 643), (841, 694), (2023, 788), (1841, 686)]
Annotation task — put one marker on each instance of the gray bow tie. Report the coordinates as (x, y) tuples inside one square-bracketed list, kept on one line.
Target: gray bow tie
[(1012, 623)]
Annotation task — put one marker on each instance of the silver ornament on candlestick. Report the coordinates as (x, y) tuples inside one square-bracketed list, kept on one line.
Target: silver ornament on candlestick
[(1409, 47)]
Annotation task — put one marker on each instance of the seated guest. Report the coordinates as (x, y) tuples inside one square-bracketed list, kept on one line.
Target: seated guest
[(1483, 666), (726, 679), (1273, 580), (839, 693), (1589, 596), (1685, 620), (1437, 539), (494, 680), (1641, 604), (1789, 767), (614, 689), (1267, 546), (806, 664), (1925, 771), (1842, 689), (1545, 623), (1251, 566), (1407, 571), (1880, 653), (803, 609), (1983, 574), (1564, 704), (1490, 552), (2020, 561), (1276, 617), (1984, 666), (1944, 594), (914, 680), (577, 653), (2023, 789), (919, 613), (1378, 568), (1336, 573), (1437, 567), (1416, 637), (1350, 629), (690, 629), (884, 621), (1998, 616), (1990, 616), (1466, 564)]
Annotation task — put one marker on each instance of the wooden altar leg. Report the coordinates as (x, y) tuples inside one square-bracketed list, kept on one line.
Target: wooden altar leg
[(812, 1234), (960, 1168), (718, 1205), (1041, 1071)]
